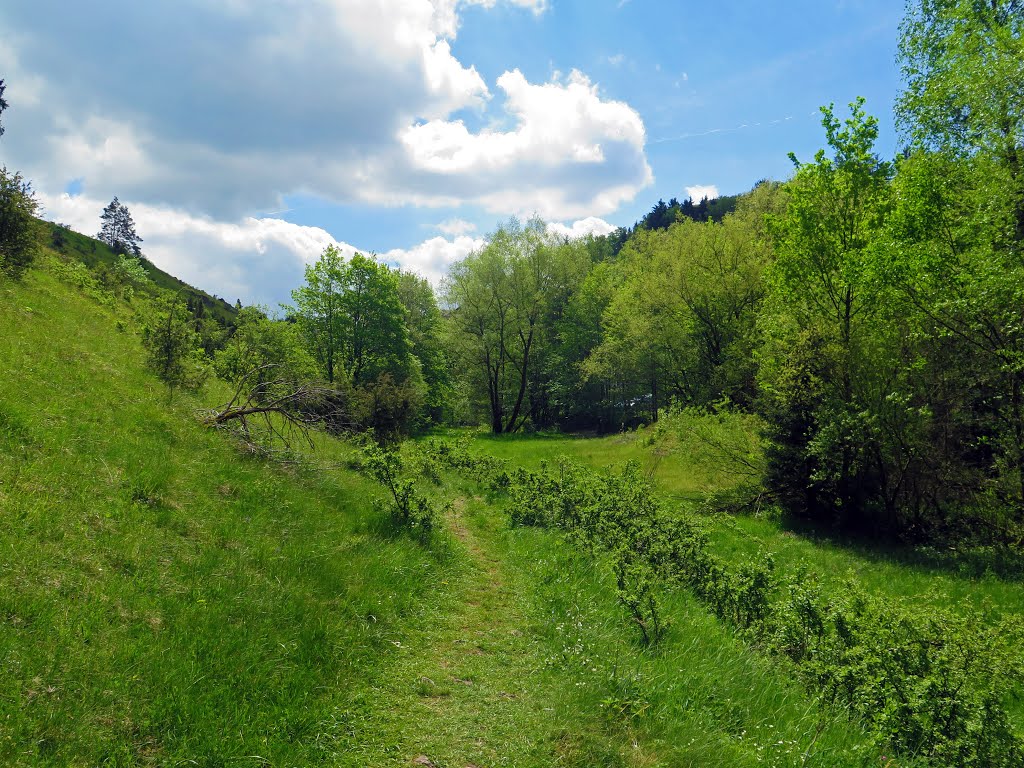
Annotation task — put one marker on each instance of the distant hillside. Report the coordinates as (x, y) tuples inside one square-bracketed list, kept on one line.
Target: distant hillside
[(97, 255)]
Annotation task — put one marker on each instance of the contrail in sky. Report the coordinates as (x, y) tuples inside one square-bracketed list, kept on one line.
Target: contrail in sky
[(711, 131)]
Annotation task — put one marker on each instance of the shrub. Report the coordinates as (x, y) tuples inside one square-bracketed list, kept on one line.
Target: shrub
[(18, 207)]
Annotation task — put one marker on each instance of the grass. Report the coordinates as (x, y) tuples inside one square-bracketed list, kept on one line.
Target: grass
[(979, 578), (701, 698), (532, 663), (988, 581), (164, 598)]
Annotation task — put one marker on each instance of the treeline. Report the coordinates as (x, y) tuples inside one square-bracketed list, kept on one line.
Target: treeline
[(359, 348), (870, 312)]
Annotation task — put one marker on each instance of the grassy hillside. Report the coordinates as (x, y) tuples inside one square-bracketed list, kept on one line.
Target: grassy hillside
[(94, 253), (164, 597)]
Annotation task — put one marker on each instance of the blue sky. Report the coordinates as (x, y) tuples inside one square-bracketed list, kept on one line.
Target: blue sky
[(246, 136)]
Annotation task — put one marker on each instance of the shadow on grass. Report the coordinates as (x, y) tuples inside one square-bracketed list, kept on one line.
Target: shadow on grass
[(973, 562)]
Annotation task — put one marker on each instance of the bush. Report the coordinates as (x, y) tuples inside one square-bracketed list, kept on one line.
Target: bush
[(173, 349), (408, 508), (17, 223)]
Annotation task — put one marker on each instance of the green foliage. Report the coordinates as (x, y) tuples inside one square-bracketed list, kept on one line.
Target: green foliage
[(423, 322), (130, 274), (102, 262), (86, 280), (503, 300), (17, 223), (408, 508), (930, 684), (130, 270), (173, 349), (831, 342), (118, 230), (265, 356), (963, 63), (680, 323), (722, 436), (353, 321)]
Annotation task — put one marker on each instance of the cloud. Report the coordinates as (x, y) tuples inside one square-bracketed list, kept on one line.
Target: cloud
[(456, 227), (583, 227), (224, 108), (699, 191), (617, 59), (432, 258), (569, 153)]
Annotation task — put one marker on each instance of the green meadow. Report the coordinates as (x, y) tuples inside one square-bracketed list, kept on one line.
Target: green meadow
[(169, 596)]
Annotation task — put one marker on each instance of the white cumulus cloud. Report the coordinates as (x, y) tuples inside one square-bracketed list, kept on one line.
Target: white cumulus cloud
[(699, 191), (432, 258), (591, 225), (456, 227)]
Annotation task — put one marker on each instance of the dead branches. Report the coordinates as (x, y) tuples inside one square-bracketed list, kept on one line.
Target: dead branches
[(282, 409)]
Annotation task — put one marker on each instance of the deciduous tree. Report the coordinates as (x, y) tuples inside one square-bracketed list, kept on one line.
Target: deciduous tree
[(17, 223), (498, 300), (3, 104)]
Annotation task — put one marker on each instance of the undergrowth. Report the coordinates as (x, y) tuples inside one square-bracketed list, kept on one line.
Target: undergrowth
[(932, 684)]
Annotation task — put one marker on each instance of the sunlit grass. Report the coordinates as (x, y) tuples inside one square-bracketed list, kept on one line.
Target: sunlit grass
[(163, 595)]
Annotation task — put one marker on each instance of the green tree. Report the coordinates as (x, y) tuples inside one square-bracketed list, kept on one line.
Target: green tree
[(17, 223), (173, 348), (958, 230), (264, 356), (319, 311), (499, 299), (3, 104), (824, 363), (353, 318), (118, 230), (424, 323), (354, 323), (375, 339), (587, 398), (683, 317), (963, 63)]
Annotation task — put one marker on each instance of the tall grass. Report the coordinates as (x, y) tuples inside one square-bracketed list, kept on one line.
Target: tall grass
[(165, 598)]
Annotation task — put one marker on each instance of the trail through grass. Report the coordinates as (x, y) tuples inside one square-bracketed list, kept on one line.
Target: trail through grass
[(981, 579), (472, 689)]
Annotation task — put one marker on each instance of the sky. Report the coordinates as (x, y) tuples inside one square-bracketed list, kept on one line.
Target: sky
[(246, 136)]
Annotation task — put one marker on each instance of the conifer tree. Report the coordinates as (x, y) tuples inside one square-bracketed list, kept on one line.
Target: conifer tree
[(118, 230), (3, 104)]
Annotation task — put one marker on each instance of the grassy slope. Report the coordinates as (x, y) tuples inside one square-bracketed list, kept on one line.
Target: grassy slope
[(163, 597), (93, 253)]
